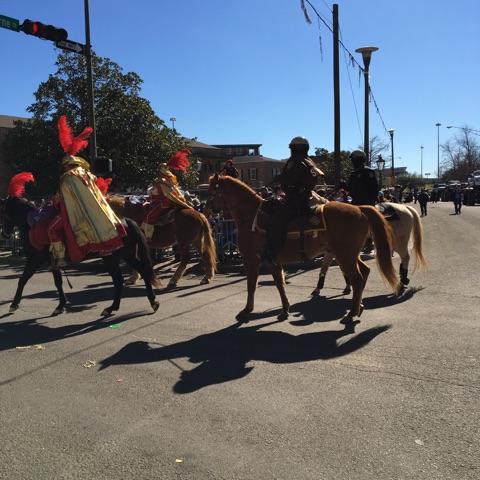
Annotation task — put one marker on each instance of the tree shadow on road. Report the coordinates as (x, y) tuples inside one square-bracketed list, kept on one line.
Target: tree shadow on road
[(223, 355)]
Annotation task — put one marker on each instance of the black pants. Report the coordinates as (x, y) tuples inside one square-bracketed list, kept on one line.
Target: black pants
[(423, 208), (458, 207), (277, 230)]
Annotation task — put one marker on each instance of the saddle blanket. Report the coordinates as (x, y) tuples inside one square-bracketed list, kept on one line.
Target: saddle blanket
[(313, 226)]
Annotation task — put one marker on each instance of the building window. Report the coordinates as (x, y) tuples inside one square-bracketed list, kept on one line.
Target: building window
[(251, 152), (275, 171), (252, 173), (239, 151)]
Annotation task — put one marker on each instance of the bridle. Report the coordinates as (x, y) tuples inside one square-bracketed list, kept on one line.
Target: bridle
[(213, 195)]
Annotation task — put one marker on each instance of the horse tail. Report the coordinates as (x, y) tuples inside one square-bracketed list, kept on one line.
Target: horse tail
[(420, 260), (382, 237), (208, 250), (143, 249)]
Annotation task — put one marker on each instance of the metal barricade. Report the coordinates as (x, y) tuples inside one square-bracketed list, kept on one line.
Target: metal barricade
[(13, 244), (225, 232)]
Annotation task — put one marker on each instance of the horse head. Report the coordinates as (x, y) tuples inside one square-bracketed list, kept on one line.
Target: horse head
[(214, 196), (13, 213)]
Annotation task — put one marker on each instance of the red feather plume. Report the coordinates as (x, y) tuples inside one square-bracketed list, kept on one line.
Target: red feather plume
[(16, 187), (103, 184), (72, 145), (179, 160)]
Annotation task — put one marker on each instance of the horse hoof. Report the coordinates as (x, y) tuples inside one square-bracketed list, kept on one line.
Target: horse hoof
[(347, 291), (171, 286), (13, 308), (360, 310), (155, 306), (283, 315), (107, 312), (243, 315), (315, 293), (58, 311), (347, 319), (129, 282), (205, 281)]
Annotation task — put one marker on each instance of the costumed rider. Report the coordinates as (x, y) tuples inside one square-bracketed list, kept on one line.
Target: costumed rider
[(363, 185), (229, 169), (297, 179), (165, 193), (85, 223)]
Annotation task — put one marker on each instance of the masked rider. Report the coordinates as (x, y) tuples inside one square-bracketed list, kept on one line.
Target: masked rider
[(165, 193), (297, 179), (85, 223)]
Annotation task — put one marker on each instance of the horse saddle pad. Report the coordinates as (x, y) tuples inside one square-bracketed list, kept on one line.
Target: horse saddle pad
[(311, 224)]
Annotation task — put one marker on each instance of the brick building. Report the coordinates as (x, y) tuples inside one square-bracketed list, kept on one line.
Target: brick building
[(255, 169)]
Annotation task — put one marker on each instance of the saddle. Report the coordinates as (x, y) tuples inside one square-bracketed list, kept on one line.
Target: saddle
[(387, 211)]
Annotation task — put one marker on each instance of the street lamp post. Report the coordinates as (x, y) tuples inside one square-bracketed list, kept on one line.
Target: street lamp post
[(438, 125), (380, 166), (391, 132), (173, 120), (466, 129), (366, 55), (421, 163)]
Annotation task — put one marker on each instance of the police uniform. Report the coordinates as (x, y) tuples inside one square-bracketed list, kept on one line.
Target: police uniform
[(297, 179), (363, 186)]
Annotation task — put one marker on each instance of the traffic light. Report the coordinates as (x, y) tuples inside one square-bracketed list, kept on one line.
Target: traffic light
[(40, 30)]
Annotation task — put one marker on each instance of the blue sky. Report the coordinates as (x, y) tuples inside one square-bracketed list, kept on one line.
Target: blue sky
[(251, 71)]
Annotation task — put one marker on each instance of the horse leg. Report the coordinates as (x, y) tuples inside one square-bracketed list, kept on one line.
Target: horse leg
[(326, 262), (279, 278), (139, 267), (184, 258), (252, 266), (132, 279), (402, 250), (61, 307), (31, 267), (113, 268), (352, 269), (207, 263)]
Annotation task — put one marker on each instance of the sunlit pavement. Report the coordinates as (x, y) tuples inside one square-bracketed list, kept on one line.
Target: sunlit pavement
[(188, 392)]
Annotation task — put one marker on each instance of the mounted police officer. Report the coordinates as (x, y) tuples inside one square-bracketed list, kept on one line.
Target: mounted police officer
[(363, 185), (297, 179)]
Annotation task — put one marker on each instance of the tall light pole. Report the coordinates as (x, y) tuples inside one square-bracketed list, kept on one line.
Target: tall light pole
[(438, 125), (391, 132), (366, 55), (380, 166), (466, 129), (173, 120), (421, 163), (90, 88)]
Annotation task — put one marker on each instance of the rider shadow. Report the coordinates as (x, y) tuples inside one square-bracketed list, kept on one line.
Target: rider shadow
[(223, 356)]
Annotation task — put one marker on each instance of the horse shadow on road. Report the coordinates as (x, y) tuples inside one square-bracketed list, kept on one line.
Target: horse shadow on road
[(223, 356)]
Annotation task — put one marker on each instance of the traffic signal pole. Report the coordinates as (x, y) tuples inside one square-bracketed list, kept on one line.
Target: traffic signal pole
[(90, 88)]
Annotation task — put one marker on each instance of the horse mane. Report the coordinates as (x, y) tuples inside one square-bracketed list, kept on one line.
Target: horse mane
[(235, 181)]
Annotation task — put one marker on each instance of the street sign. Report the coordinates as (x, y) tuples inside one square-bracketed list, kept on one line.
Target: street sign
[(71, 46), (9, 23)]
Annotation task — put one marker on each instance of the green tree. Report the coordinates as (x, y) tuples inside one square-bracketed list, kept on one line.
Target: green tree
[(326, 162), (128, 130)]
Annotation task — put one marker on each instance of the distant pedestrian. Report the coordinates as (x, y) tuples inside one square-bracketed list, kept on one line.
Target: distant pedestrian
[(457, 197), (423, 199)]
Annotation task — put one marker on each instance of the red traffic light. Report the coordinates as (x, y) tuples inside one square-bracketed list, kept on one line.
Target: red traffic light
[(40, 30)]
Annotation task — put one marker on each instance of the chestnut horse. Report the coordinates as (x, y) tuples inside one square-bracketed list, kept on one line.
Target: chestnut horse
[(405, 223), (347, 227), (189, 227)]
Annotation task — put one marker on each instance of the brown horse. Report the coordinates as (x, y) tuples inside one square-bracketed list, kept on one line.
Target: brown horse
[(189, 228), (347, 227)]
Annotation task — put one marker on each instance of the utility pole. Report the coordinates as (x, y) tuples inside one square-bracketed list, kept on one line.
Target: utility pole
[(336, 98), (421, 163), (438, 125), (90, 88)]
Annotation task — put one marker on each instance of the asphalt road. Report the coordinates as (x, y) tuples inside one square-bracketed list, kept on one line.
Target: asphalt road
[(188, 393)]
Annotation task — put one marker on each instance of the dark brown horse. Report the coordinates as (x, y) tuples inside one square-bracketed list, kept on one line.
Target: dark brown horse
[(347, 227), (189, 228)]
